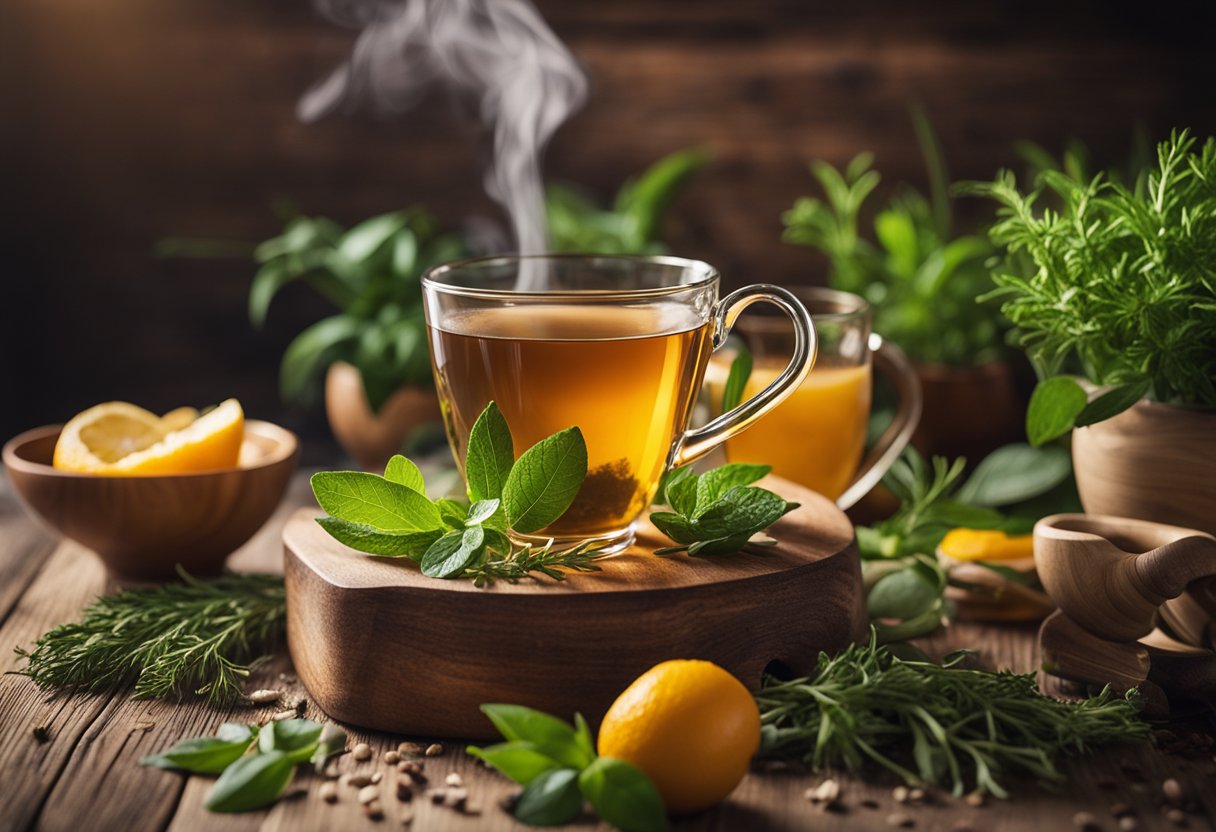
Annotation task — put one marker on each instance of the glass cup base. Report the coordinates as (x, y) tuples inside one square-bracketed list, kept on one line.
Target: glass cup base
[(612, 543)]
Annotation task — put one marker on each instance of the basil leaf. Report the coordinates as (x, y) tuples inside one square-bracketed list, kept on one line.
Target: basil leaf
[(744, 508), (1054, 407), (518, 760), (552, 799), (1015, 473), (297, 738), (1113, 402), (545, 480), (452, 512), (385, 544), (453, 553), (713, 485), (490, 455), (623, 795), (364, 498), (736, 380), (204, 755), (332, 741), (404, 472), (481, 511), (553, 737), (675, 526), (902, 595), (251, 783)]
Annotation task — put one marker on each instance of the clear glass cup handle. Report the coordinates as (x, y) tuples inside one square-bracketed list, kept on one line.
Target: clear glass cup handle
[(696, 443)]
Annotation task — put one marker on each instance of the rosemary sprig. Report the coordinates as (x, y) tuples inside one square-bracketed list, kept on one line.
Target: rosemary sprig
[(523, 561), (200, 636), (959, 725)]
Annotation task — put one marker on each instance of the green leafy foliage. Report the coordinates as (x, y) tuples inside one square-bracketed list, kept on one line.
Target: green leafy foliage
[(934, 724), (922, 281), (251, 782), (207, 755), (718, 512), (557, 765), (371, 274), (1115, 282), (633, 224), (545, 480), (736, 379)]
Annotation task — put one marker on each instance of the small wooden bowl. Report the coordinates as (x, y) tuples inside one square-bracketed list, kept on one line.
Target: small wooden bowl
[(143, 527)]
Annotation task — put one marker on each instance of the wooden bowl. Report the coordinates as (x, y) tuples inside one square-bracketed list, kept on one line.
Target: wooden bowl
[(143, 527)]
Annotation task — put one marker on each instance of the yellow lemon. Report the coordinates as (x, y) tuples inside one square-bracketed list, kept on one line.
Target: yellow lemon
[(120, 439), (690, 725), (978, 544)]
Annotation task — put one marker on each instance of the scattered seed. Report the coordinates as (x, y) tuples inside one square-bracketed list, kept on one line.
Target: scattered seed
[(471, 809), (329, 792), (362, 752), (359, 781), (974, 799), (42, 733), (377, 776), (1172, 790), (433, 750), (289, 678), (507, 801), (407, 816), (282, 715), (902, 819), (410, 766), (368, 793), (1127, 823), (392, 757), (373, 810), (405, 790), (900, 793), (344, 780), (1086, 822), (916, 795), (456, 797), (827, 792), (261, 697), (419, 778)]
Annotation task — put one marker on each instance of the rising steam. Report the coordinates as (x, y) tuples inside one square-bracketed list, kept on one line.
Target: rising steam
[(498, 52)]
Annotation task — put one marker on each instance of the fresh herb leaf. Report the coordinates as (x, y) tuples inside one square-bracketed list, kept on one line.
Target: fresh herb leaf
[(552, 799), (451, 554), (517, 760), (490, 455), (1014, 474), (481, 511), (1054, 407), (404, 472), (332, 741), (676, 526), (903, 594), (682, 493), (297, 738), (623, 796), (744, 509), (545, 480), (1112, 402), (713, 484), (251, 782), (374, 542), (206, 755), (452, 512), (670, 478), (553, 737), (513, 563), (716, 513), (736, 379), (359, 497)]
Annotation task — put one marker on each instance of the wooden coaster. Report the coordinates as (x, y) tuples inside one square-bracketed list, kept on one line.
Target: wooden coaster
[(380, 645)]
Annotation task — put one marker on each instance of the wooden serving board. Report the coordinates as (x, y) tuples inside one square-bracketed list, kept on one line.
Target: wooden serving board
[(382, 646)]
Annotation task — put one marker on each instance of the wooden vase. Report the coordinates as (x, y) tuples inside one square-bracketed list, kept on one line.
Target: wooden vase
[(1151, 462), (371, 437)]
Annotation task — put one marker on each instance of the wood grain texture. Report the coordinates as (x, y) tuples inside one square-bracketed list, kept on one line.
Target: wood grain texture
[(369, 635), (86, 778), (143, 527), (1153, 462)]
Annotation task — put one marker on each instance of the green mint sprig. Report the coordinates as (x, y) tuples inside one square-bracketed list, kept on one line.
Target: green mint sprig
[(718, 512), (254, 766), (557, 765), (391, 516)]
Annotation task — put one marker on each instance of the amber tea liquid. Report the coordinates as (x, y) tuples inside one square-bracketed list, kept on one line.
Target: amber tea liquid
[(626, 376)]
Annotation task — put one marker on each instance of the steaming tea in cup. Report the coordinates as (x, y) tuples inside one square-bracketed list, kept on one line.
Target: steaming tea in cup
[(615, 345), (816, 436)]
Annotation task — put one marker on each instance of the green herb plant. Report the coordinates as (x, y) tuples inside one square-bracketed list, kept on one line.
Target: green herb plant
[(557, 765), (197, 636), (903, 578), (921, 279), (935, 724), (1115, 284), (633, 223), (254, 766)]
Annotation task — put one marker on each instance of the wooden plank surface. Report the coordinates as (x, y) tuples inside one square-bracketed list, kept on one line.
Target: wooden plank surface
[(86, 775)]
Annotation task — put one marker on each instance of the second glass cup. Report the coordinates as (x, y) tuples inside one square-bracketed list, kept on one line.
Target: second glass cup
[(615, 345)]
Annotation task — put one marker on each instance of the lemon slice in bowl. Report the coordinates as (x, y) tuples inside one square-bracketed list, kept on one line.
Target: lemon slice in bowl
[(120, 439)]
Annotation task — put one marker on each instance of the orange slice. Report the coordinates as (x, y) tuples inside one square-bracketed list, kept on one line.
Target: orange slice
[(120, 439)]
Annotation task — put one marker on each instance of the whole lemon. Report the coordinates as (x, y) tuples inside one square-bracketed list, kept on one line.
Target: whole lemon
[(690, 725)]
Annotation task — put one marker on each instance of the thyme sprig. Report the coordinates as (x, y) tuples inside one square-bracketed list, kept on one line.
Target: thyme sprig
[(959, 726), (523, 561), (197, 636)]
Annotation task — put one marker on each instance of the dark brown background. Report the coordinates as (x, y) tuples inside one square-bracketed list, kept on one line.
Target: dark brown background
[(128, 121)]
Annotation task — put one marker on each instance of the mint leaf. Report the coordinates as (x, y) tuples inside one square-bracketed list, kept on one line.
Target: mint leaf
[(385, 544), (517, 760), (682, 493), (481, 511), (297, 738), (1113, 402), (553, 737), (623, 795), (251, 783), (205, 755), (490, 455), (453, 553), (712, 485), (743, 509), (736, 380), (1054, 407), (670, 478), (552, 799), (675, 526), (545, 480), (719, 545), (404, 472), (364, 498)]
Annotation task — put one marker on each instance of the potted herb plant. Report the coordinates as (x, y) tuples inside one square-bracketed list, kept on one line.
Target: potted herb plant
[(1113, 296), (373, 353), (923, 281)]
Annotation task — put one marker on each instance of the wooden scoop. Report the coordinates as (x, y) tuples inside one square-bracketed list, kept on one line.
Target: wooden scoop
[(1111, 574)]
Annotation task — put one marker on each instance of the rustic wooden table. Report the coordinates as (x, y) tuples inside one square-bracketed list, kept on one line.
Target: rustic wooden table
[(83, 772)]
